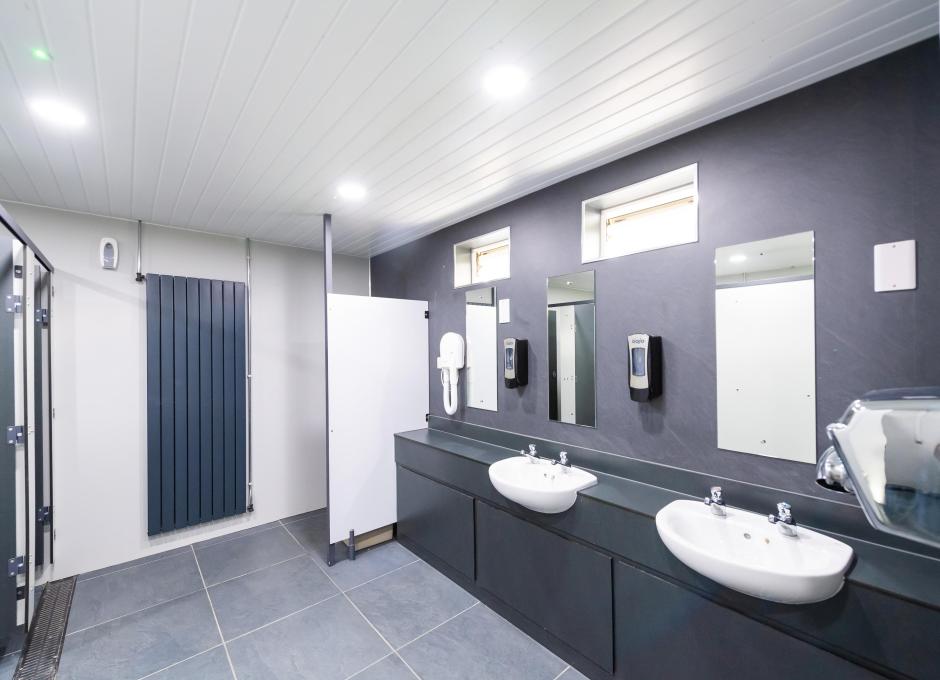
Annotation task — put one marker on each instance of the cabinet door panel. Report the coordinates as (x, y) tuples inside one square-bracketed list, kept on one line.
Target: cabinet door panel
[(563, 586), (667, 632), (437, 518)]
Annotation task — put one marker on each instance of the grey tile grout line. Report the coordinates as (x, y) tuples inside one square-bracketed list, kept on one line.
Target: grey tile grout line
[(225, 538), (431, 630), (136, 611), (353, 605), (282, 618), (177, 552), (255, 571), (374, 663), (564, 670), (214, 617), (177, 663), (296, 519), (391, 571)]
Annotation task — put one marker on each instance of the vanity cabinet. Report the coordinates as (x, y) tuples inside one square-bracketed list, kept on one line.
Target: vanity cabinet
[(664, 631), (436, 518), (562, 585)]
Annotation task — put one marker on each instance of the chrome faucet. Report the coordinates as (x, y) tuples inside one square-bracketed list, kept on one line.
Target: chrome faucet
[(563, 461), (784, 520), (531, 455), (715, 502)]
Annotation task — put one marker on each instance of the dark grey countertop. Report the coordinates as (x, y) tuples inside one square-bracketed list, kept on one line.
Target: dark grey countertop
[(888, 569)]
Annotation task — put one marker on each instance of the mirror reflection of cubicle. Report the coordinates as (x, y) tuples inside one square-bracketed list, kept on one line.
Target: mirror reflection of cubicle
[(482, 363), (765, 347), (571, 369)]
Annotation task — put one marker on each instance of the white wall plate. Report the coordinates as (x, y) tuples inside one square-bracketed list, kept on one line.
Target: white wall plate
[(896, 266), (504, 310)]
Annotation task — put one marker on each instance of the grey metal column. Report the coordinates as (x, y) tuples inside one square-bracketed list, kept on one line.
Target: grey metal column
[(327, 289)]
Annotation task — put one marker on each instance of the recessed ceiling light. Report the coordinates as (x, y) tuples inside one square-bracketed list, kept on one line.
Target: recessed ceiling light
[(740, 257), (41, 54), (504, 81), (57, 112), (351, 191)]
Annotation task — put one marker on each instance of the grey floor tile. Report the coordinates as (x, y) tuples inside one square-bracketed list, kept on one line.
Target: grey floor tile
[(141, 643), (305, 515), (13, 643), (221, 561), (479, 645), (389, 668), (251, 601), (313, 533), (408, 602), (134, 563), (572, 674), (370, 564), (8, 666), (211, 665), (129, 590), (236, 534), (326, 642)]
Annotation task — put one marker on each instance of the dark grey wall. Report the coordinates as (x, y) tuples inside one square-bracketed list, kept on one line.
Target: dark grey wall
[(856, 158)]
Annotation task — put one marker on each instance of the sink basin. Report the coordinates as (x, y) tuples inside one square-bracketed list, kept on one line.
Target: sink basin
[(539, 485), (745, 552)]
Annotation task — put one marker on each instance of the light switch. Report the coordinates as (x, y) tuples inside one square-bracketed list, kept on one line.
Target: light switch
[(896, 266), (504, 310)]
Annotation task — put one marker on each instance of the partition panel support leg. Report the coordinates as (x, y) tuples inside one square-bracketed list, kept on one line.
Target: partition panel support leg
[(351, 546), (331, 555)]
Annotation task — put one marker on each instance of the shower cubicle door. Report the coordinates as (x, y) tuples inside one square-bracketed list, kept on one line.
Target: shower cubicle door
[(378, 385), (8, 460)]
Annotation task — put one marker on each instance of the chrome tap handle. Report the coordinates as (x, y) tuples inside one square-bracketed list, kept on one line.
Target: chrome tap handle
[(784, 519), (532, 450), (715, 501), (563, 459)]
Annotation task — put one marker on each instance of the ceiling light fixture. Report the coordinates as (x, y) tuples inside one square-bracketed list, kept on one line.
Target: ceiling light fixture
[(504, 81), (58, 113), (351, 191), (41, 54), (740, 257)]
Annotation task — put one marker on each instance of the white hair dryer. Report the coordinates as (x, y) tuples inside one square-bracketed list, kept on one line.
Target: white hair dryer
[(450, 362)]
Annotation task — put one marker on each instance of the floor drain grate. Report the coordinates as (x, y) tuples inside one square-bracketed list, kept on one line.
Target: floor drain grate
[(40, 659)]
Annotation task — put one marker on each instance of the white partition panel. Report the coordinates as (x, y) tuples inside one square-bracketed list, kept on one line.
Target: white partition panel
[(378, 385)]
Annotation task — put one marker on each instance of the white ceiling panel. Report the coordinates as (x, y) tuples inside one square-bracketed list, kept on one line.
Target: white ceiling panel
[(242, 117)]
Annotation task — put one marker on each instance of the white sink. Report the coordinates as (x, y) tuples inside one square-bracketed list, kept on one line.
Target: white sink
[(539, 485), (743, 551)]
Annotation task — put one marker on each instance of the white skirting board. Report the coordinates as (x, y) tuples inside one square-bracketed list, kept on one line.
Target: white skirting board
[(378, 385)]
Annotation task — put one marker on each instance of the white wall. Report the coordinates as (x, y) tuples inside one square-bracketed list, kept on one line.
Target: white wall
[(99, 378)]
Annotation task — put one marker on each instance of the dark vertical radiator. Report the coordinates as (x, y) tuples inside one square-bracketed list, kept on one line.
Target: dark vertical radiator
[(196, 374)]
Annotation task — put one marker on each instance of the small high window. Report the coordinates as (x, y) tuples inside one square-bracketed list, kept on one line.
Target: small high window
[(656, 213), (481, 259)]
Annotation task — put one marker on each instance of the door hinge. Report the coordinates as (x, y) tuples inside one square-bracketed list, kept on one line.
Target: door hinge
[(42, 316), (427, 315), (16, 565), (44, 514), (15, 434), (14, 304), (21, 592), (427, 417), (17, 271)]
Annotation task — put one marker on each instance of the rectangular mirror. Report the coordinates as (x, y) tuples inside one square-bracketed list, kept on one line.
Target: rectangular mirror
[(482, 369), (765, 342), (571, 348)]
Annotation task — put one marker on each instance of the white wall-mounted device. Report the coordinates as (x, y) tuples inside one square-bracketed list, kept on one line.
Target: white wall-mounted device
[(108, 253), (896, 266), (450, 361)]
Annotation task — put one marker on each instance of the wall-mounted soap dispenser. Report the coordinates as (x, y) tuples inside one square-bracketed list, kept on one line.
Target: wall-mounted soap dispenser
[(515, 362), (450, 361), (645, 357)]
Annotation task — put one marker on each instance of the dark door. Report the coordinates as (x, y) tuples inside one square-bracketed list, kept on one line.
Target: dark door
[(8, 455), (42, 459)]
